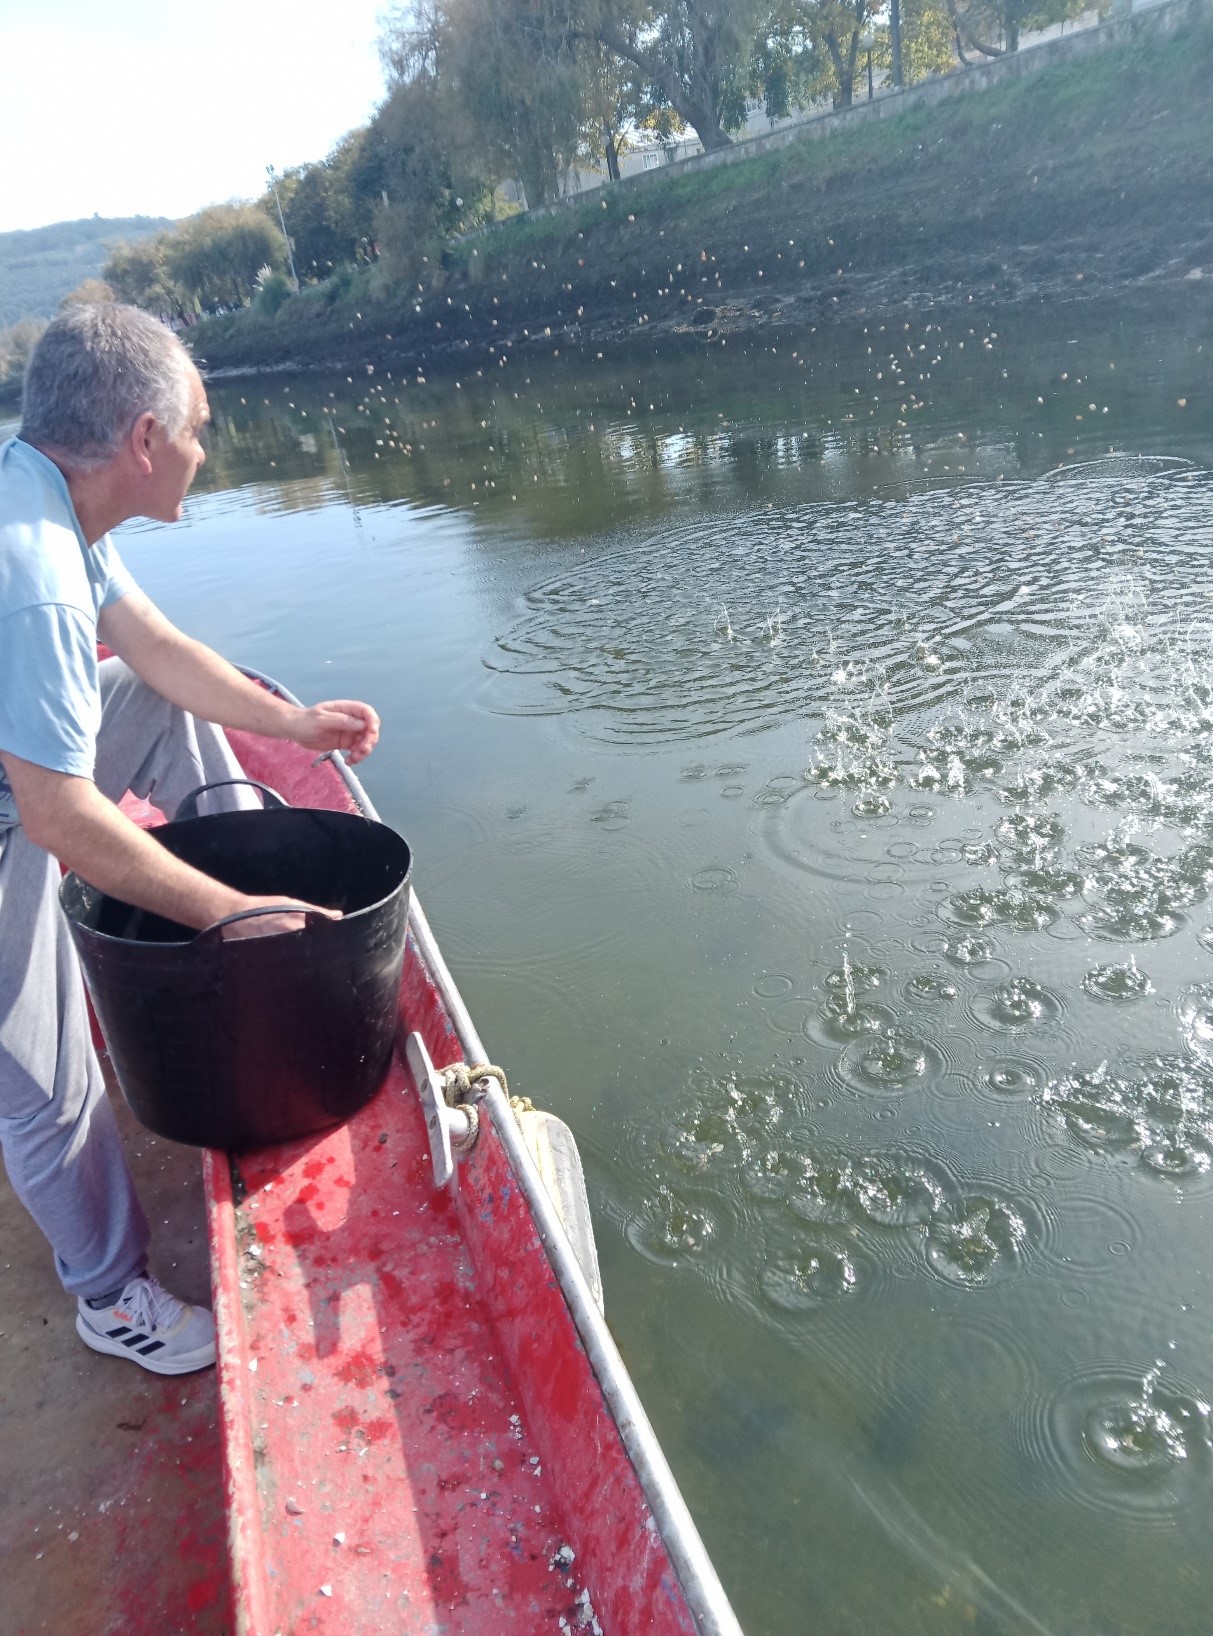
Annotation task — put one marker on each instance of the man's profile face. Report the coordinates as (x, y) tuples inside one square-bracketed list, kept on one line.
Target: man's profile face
[(176, 459)]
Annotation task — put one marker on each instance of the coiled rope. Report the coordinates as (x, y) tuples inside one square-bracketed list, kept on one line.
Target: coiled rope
[(459, 1078)]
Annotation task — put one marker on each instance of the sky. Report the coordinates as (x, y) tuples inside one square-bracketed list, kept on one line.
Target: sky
[(158, 109)]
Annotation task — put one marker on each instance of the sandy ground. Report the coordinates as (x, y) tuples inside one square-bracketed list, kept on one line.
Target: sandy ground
[(111, 1514)]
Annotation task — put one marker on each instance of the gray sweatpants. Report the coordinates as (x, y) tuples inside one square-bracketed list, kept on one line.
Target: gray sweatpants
[(60, 1144)]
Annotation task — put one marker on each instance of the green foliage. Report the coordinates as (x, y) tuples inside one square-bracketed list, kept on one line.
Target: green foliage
[(526, 88), (306, 198), (273, 292), (694, 57), (612, 100), (216, 257), (928, 40), (838, 26), (90, 292), (210, 260), (329, 208), (510, 85), (137, 273), (340, 287), (414, 178), (524, 82), (16, 344), (789, 69)]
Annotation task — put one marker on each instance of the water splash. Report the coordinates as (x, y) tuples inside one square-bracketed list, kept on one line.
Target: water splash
[(800, 1282), (973, 1240), (1143, 1434), (1163, 1115), (1117, 983)]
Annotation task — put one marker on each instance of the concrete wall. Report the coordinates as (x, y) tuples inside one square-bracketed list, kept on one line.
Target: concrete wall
[(1122, 26)]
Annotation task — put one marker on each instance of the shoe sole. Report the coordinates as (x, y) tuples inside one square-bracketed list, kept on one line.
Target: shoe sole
[(183, 1364)]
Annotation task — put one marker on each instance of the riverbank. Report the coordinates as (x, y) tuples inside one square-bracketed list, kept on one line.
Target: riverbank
[(1086, 178)]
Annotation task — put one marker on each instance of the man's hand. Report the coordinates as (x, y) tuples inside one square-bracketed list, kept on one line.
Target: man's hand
[(271, 925), (338, 724), (192, 676)]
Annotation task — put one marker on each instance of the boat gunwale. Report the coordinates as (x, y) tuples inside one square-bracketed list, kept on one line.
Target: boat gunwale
[(245, 1538)]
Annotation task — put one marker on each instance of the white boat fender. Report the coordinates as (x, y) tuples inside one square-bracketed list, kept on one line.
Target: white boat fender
[(553, 1147), (452, 1121)]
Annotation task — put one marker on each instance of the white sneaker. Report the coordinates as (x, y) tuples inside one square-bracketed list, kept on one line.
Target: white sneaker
[(151, 1327)]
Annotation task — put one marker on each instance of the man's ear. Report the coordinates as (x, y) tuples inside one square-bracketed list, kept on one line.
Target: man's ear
[(140, 442)]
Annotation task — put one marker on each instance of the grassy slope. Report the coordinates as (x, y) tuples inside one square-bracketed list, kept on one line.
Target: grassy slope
[(1084, 177)]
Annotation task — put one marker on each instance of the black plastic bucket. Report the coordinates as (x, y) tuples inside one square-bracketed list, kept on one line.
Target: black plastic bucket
[(244, 1042)]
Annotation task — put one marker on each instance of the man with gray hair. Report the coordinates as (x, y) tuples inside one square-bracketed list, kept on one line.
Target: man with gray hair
[(113, 416)]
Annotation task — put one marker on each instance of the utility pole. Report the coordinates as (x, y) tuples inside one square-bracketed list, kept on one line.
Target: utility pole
[(866, 42), (290, 254)]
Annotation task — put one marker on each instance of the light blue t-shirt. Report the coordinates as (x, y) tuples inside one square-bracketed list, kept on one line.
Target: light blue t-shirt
[(52, 588)]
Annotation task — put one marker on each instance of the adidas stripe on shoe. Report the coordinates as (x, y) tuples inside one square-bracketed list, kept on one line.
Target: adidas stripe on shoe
[(152, 1328)]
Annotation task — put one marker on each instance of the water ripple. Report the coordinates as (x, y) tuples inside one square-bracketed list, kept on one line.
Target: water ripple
[(740, 622), (890, 1061), (977, 1238), (1018, 1004), (1117, 984), (1162, 1114), (1135, 1442)]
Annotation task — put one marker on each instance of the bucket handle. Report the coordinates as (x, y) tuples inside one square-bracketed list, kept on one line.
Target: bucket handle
[(188, 807), (310, 917)]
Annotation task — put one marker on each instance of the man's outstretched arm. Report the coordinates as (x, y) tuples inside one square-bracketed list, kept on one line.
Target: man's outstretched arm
[(71, 819), (195, 678)]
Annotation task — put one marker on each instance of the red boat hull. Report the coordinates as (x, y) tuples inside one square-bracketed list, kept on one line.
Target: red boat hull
[(425, 1424)]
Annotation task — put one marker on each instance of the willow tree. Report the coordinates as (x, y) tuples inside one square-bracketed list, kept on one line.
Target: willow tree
[(217, 256), (508, 84), (412, 169), (138, 273)]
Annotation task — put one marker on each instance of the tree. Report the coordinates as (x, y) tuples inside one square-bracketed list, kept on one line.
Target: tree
[(611, 98), (813, 47), (90, 292), (329, 219), (137, 273), (216, 256), (526, 68), (694, 54), (304, 196), (274, 290), (992, 27), (927, 39), (897, 63), (16, 344), (788, 69), (839, 24), (414, 174), (509, 81)]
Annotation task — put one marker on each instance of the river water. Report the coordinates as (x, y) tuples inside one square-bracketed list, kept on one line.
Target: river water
[(807, 746)]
